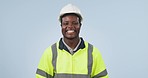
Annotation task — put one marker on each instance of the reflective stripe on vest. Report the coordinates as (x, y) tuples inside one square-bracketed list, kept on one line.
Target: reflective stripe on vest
[(71, 76), (101, 74), (54, 56), (90, 60), (43, 73)]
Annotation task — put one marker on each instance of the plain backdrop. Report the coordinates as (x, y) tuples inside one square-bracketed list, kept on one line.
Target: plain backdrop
[(118, 28)]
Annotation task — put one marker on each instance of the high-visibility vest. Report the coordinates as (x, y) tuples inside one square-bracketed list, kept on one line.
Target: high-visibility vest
[(62, 64)]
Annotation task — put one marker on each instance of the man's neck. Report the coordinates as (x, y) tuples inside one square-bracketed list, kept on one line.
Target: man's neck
[(72, 43)]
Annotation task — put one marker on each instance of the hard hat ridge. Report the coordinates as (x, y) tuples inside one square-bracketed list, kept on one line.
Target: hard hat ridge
[(70, 9)]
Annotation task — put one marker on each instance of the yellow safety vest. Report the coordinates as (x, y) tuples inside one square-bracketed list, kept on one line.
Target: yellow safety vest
[(85, 63)]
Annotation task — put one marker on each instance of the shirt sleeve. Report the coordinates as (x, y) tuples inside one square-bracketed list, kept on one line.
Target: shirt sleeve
[(45, 67), (98, 69)]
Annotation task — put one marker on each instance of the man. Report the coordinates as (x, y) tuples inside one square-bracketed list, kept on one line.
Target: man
[(71, 57)]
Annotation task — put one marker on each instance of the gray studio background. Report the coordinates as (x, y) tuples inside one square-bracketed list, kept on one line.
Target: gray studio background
[(119, 28)]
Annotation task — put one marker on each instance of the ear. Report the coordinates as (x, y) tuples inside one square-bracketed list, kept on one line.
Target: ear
[(80, 24)]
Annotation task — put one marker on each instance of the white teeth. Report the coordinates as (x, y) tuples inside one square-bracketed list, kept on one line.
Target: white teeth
[(70, 31)]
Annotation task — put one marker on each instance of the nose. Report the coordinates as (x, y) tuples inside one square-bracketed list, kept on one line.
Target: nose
[(70, 25)]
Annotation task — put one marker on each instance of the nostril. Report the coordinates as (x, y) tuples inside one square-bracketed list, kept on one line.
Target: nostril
[(70, 27)]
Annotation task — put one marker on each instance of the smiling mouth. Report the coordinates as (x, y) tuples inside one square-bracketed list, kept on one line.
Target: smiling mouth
[(70, 31)]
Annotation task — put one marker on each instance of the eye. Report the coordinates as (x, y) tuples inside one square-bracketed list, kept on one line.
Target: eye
[(75, 23), (65, 23)]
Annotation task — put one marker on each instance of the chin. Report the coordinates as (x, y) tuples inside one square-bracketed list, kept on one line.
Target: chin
[(70, 38)]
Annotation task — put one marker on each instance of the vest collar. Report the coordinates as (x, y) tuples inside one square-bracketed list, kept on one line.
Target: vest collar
[(63, 46)]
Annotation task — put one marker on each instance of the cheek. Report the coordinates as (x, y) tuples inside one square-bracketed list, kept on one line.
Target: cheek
[(63, 29), (78, 28)]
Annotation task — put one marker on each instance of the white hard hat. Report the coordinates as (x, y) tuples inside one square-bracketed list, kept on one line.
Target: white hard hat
[(70, 9)]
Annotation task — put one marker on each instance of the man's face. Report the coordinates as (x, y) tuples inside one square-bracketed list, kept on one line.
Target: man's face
[(70, 26)]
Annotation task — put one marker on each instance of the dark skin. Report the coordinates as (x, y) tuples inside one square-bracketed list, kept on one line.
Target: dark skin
[(70, 26)]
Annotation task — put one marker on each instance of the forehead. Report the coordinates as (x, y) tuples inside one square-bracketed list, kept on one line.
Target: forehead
[(70, 17)]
